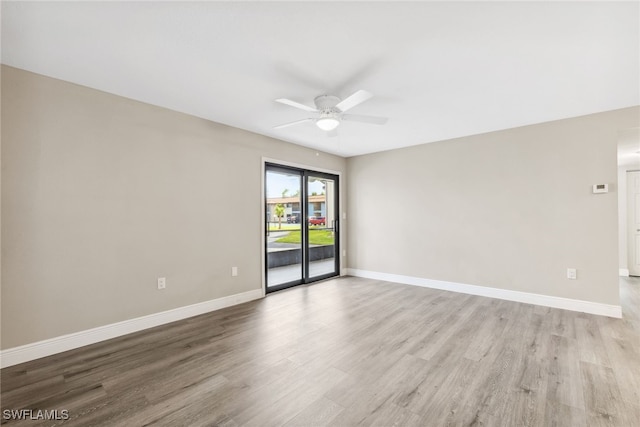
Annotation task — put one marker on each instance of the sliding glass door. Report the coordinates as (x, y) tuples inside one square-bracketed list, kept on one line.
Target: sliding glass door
[(283, 227), (302, 227), (322, 226)]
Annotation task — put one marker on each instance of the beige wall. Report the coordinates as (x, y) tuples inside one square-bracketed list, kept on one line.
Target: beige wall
[(101, 195), (510, 209)]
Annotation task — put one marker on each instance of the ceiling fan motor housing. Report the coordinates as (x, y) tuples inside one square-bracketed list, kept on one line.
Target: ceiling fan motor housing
[(327, 103)]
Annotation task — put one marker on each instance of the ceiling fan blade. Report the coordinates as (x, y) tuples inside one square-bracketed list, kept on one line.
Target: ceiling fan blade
[(365, 119), (353, 100), (293, 123), (296, 105)]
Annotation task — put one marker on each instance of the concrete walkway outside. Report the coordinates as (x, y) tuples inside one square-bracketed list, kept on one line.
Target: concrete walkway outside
[(277, 276)]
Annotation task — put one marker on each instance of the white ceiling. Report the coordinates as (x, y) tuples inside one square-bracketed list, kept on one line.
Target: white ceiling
[(438, 70)]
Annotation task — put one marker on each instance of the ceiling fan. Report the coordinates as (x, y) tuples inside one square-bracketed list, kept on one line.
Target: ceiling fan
[(331, 111)]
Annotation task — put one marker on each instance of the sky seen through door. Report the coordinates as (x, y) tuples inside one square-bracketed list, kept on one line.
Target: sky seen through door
[(278, 183)]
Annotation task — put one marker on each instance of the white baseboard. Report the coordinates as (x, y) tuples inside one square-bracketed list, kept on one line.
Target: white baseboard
[(517, 296), (25, 353), (624, 272)]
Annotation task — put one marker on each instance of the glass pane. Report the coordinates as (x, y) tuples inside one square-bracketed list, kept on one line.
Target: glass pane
[(284, 248), (321, 222)]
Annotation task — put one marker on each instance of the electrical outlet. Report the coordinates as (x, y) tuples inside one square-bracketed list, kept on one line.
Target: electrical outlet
[(162, 282), (234, 271), (572, 273)]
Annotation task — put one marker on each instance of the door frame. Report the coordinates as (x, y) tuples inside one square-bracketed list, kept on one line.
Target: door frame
[(340, 253), (631, 227)]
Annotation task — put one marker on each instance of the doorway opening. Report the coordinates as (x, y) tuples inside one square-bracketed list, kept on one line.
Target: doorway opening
[(301, 226), (633, 222), (629, 201)]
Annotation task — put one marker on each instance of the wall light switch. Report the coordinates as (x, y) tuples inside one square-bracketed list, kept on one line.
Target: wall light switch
[(234, 271), (572, 273)]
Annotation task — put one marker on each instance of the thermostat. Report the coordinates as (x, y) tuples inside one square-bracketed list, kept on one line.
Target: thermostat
[(600, 188)]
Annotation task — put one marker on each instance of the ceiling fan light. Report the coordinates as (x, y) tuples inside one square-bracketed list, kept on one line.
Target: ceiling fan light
[(327, 123)]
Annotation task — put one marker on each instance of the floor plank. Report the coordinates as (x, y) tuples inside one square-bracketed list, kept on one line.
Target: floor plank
[(346, 352)]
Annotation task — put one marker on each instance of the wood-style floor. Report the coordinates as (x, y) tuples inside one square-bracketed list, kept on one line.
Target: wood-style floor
[(352, 352)]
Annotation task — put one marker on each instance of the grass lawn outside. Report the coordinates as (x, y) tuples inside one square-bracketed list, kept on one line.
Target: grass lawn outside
[(285, 227), (316, 237)]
